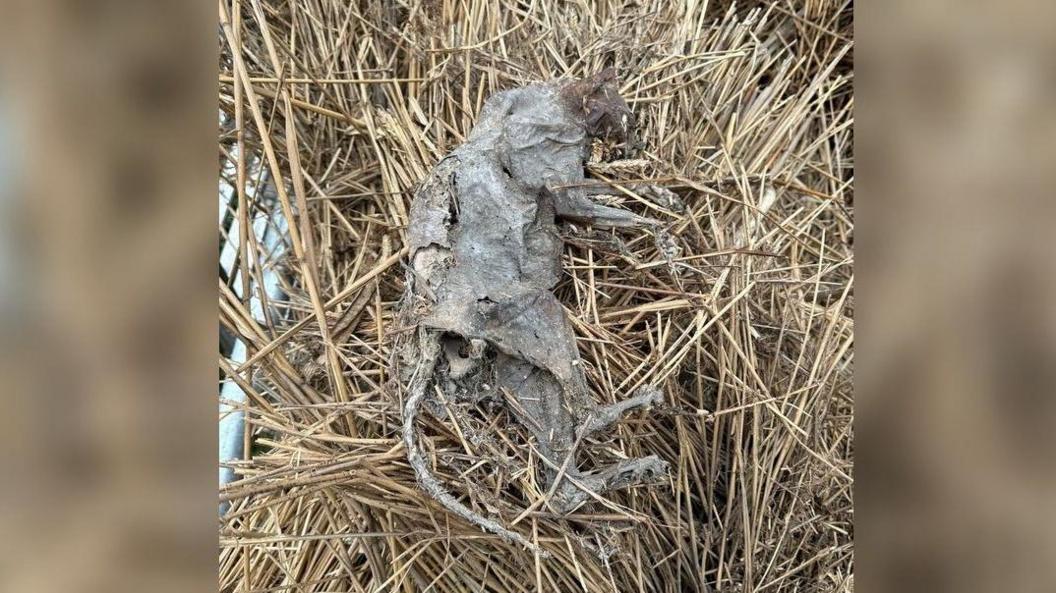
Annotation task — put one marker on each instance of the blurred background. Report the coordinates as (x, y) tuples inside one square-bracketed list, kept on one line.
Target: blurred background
[(107, 307), (107, 310), (956, 346)]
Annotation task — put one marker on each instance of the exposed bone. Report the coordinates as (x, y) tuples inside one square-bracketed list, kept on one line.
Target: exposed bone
[(485, 257)]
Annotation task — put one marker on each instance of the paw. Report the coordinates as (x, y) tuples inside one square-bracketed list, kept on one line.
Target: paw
[(633, 472), (650, 395), (622, 474)]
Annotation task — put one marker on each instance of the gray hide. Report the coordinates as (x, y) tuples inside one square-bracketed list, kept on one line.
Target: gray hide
[(484, 259)]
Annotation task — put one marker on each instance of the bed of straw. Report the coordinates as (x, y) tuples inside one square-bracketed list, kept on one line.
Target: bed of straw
[(741, 310)]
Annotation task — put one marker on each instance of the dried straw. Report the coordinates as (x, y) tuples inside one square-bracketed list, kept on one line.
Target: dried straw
[(743, 314)]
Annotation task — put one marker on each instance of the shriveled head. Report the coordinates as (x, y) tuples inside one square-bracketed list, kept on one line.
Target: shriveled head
[(605, 113)]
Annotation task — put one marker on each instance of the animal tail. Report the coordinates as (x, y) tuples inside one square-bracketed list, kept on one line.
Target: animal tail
[(428, 481)]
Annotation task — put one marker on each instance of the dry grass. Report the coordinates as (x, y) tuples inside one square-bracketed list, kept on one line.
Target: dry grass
[(336, 112)]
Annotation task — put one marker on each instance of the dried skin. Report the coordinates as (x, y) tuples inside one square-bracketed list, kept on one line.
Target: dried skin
[(485, 257)]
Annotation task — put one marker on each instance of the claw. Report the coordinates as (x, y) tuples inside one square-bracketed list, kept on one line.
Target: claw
[(628, 472), (606, 416)]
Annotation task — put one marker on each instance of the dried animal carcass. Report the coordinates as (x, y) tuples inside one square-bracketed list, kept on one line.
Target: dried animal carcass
[(484, 255)]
